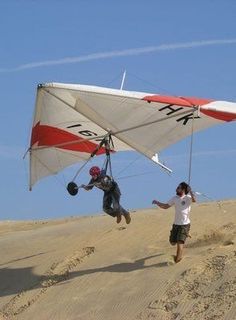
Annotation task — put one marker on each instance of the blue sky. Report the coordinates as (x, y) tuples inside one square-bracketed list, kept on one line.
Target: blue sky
[(35, 32)]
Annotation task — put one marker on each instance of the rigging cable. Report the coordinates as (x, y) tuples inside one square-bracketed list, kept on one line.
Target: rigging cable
[(191, 144), (191, 152)]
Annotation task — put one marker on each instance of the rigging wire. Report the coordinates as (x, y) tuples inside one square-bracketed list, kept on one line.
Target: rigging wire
[(219, 205), (114, 79), (49, 170), (154, 86), (151, 146), (135, 175), (191, 151), (80, 169), (141, 155)]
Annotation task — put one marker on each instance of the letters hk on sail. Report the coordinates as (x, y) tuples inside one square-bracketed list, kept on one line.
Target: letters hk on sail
[(71, 120)]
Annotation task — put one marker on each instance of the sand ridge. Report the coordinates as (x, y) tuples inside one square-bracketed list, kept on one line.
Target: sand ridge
[(58, 272), (91, 268)]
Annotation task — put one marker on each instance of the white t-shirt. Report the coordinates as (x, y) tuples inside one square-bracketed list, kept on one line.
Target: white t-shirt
[(182, 208)]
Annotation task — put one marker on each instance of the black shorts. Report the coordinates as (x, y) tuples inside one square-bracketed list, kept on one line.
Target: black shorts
[(179, 233)]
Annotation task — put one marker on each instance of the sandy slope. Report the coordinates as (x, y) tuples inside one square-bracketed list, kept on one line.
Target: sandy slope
[(90, 268)]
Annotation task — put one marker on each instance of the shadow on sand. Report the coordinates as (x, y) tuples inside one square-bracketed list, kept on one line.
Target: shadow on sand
[(15, 281), (123, 267), (23, 258)]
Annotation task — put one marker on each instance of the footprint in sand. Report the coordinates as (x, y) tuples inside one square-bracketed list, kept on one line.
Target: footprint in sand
[(228, 243), (121, 228), (155, 305)]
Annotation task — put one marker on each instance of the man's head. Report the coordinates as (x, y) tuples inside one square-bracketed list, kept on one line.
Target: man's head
[(95, 172), (182, 189)]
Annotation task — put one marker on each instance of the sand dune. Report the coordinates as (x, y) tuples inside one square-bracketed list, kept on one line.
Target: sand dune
[(90, 268)]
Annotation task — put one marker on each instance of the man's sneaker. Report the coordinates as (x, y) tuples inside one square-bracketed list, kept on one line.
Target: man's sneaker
[(127, 217), (118, 218)]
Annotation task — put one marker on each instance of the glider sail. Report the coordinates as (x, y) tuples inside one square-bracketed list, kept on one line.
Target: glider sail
[(70, 121)]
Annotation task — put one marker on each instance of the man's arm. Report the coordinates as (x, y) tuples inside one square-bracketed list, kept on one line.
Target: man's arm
[(161, 205), (89, 186), (192, 196)]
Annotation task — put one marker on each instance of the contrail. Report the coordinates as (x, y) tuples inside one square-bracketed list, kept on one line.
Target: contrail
[(120, 53)]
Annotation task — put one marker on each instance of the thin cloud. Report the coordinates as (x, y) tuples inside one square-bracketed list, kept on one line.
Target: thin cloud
[(121, 53)]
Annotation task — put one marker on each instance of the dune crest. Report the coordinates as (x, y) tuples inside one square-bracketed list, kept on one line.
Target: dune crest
[(91, 268)]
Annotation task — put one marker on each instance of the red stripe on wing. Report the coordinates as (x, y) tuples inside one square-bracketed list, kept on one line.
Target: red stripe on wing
[(224, 116), (178, 101), (45, 135)]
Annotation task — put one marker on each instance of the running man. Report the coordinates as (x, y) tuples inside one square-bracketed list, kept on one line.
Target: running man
[(181, 227)]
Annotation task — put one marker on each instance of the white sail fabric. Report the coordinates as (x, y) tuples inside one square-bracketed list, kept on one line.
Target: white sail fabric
[(70, 121)]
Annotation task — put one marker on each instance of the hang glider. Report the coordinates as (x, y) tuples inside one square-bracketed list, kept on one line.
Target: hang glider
[(70, 121)]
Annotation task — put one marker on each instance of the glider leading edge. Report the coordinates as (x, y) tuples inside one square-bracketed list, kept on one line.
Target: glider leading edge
[(71, 121)]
